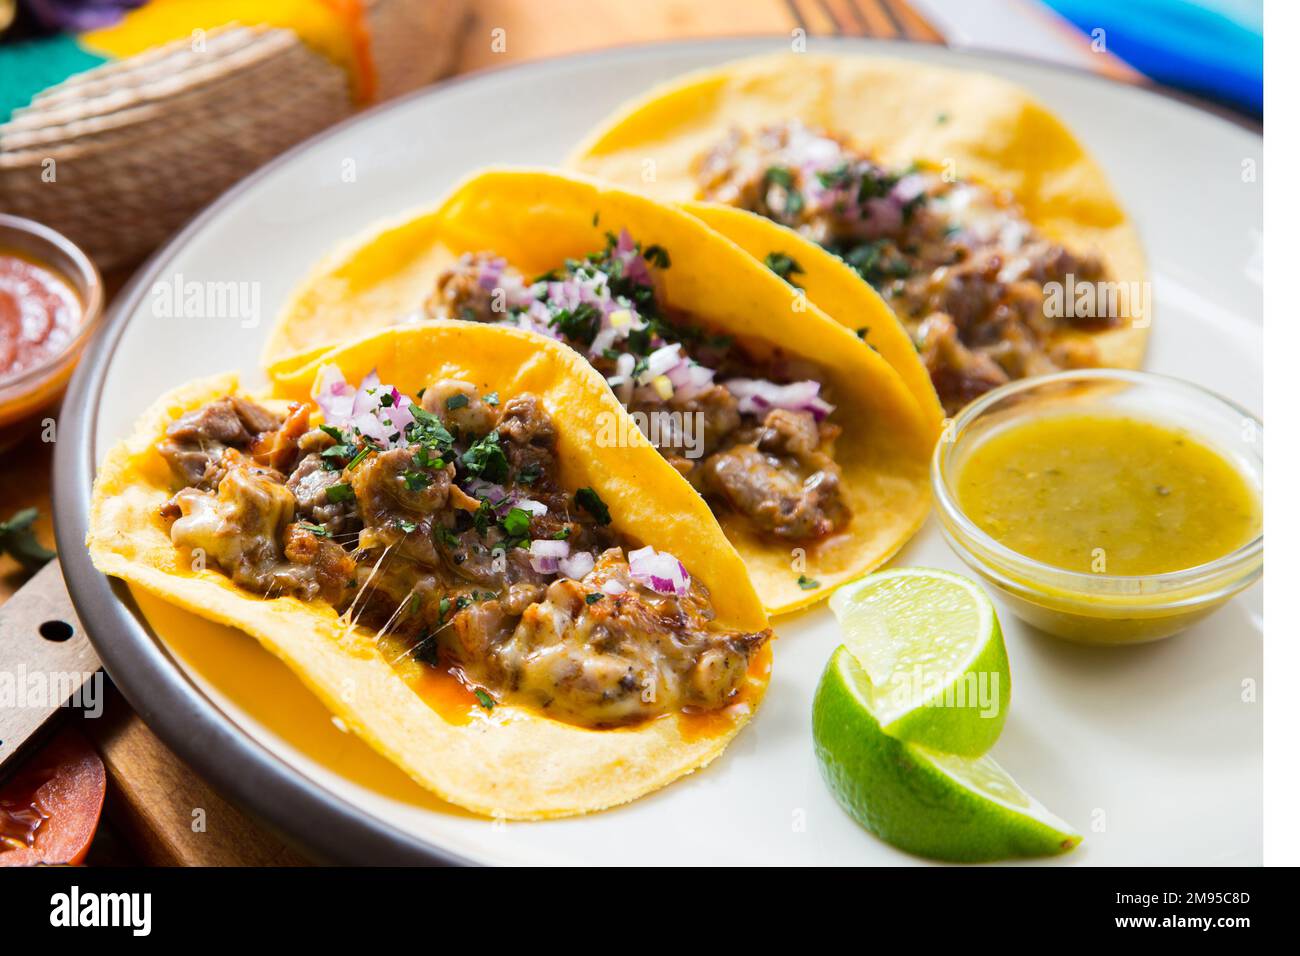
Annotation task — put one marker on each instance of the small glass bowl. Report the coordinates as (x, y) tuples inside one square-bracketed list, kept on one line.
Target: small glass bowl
[(1101, 608), (25, 395)]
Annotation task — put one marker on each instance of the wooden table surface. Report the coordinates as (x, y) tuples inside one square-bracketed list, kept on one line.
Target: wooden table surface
[(153, 793)]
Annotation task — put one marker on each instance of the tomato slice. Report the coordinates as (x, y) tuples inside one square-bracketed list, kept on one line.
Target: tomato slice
[(50, 807)]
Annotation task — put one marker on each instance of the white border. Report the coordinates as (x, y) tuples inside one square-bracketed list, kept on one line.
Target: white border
[(1282, 344)]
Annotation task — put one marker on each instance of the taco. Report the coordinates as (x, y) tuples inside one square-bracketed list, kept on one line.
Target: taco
[(419, 526), (808, 446), (979, 218)]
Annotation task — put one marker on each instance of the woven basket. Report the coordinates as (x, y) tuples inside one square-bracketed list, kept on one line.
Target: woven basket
[(118, 157)]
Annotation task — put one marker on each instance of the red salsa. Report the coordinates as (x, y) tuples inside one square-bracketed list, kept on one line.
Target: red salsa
[(39, 314)]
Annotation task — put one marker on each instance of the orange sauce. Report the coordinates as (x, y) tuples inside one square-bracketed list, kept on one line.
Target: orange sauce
[(446, 692), (702, 724), (451, 695)]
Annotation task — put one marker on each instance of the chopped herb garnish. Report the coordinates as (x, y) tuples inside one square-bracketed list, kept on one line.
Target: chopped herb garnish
[(318, 530), (360, 456), (491, 398), (594, 596), (529, 473), (486, 459), (657, 256), (416, 601), (341, 492), (807, 583), (783, 265), (580, 324), (332, 432), (459, 400), (562, 534), (779, 176), (446, 536), (485, 700), (416, 480), (590, 502), (517, 522), (427, 650), (444, 605), (427, 430), (407, 525)]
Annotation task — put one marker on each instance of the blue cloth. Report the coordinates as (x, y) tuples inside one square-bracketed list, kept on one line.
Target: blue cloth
[(1213, 48)]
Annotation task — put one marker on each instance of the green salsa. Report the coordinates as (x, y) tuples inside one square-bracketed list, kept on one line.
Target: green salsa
[(1108, 494)]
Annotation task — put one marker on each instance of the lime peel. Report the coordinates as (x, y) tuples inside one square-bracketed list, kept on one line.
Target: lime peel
[(935, 805)]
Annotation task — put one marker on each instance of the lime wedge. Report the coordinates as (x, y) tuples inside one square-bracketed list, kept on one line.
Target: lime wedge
[(931, 647), (926, 802)]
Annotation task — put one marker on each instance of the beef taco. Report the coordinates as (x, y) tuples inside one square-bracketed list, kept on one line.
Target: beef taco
[(810, 448), (419, 526), (971, 209)]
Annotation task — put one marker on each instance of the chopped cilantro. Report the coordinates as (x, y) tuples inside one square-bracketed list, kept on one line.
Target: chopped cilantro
[(416, 601), (486, 459), (444, 605), (657, 256), (783, 265), (416, 480), (427, 650), (594, 596), (485, 700), (580, 324), (360, 456), (459, 400), (341, 492), (407, 525), (332, 432), (529, 473), (316, 529), (779, 176), (590, 502), (516, 523), (807, 583), (491, 398)]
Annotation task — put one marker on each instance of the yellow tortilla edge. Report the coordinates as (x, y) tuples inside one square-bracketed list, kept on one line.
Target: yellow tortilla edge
[(888, 437), (988, 139), (510, 762)]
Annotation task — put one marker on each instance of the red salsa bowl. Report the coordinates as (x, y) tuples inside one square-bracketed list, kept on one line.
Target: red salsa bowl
[(51, 301)]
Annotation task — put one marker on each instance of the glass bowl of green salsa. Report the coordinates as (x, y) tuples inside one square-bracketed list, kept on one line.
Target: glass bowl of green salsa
[(1107, 506)]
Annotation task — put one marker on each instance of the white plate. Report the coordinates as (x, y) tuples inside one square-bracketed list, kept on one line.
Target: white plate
[(1152, 751)]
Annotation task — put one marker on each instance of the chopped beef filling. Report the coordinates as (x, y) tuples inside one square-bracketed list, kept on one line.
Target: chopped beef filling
[(959, 264), (715, 412), (441, 521)]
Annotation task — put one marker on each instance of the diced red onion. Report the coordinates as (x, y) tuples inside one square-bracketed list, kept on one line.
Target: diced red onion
[(614, 586), (659, 571), (577, 566), (535, 508), (545, 556), (756, 396), (335, 396), (660, 361), (479, 488)]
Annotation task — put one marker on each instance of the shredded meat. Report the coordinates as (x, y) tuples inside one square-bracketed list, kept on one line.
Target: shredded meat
[(781, 480), (390, 536), (196, 442), (794, 495), (607, 658), (932, 246)]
